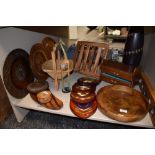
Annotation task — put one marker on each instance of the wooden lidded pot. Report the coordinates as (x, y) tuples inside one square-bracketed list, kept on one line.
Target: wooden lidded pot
[(83, 97)]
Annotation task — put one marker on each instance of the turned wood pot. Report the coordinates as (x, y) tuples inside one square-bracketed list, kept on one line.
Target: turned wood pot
[(83, 99)]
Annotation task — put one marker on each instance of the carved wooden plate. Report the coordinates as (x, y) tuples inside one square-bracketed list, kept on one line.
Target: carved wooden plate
[(38, 55), (48, 44), (17, 73), (122, 103)]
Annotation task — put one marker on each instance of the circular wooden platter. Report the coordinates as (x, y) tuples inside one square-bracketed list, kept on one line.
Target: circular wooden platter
[(122, 103), (38, 55), (17, 73), (48, 44)]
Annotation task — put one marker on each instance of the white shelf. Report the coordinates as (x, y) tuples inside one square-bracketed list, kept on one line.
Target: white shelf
[(28, 103)]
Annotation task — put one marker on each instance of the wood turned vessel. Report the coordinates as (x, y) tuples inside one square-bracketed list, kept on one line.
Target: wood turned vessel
[(83, 97)]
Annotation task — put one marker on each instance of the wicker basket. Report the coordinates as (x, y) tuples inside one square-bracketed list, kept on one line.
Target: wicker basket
[(48, 68), (54, 68)]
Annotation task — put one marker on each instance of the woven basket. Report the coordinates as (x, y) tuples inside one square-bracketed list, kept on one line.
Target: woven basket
[(53, 67)]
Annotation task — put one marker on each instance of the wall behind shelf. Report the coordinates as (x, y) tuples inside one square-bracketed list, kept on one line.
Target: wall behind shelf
[(12, 38)]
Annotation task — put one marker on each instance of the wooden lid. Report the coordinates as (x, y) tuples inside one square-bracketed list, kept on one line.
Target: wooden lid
[(122, 103), (37, 86), (117, 66), (82, 94), (17, 73), (87, 81)]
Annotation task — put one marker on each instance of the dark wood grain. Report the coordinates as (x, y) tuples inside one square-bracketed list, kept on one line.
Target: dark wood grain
[(38, 55), (17, 73)]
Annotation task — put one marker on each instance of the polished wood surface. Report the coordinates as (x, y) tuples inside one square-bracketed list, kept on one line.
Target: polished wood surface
[(5, 107), (17, 73), (89, 56), (118, 73), (38, 55), (37, 86), (82, 94), (83, 113), (122, 103)]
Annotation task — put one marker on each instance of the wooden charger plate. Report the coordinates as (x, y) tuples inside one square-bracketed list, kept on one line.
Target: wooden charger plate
[(48, 44), (122, 103), (17, 73), (38, 55)]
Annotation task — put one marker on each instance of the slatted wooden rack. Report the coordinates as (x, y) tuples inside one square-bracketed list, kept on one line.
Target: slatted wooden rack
[(89, 56)]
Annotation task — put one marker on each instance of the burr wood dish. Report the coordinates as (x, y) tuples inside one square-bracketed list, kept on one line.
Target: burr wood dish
[(17, 73), (122, 103)]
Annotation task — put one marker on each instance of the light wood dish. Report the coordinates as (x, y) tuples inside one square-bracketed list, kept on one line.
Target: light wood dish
[(122, 103)]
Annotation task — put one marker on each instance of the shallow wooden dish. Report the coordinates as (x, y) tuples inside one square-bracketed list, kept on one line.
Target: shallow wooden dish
[(48, 44), (17, 73), (122, 103), (38, 55)]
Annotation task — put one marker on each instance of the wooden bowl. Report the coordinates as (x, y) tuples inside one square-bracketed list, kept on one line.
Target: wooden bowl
[(38, 86), (17, 73), (44, 96), (122, 103)]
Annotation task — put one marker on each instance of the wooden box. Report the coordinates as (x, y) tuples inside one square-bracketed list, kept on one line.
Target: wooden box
[(118, 73)]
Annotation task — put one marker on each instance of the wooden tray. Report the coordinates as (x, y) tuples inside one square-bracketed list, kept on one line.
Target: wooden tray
[(122, 103), (38, 55), (17, 73)]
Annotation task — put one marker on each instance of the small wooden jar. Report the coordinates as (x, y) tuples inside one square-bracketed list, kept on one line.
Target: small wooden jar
[(83, 98)]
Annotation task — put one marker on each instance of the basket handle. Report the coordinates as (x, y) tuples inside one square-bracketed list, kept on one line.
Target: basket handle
[(53, 57), (63, 50)]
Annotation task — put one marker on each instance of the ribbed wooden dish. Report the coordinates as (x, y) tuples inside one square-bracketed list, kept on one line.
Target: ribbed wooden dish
[(122, 103)]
